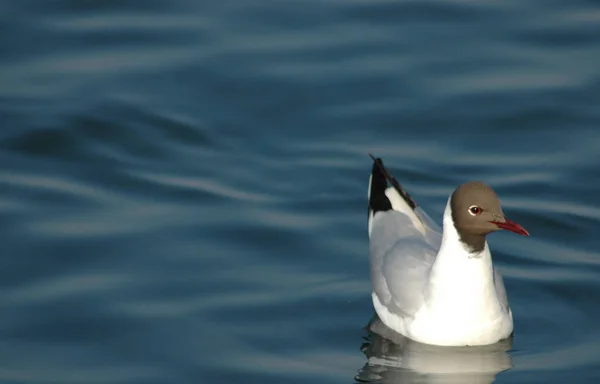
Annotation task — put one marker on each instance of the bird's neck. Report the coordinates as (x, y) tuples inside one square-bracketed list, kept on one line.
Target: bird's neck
[(460, 277)]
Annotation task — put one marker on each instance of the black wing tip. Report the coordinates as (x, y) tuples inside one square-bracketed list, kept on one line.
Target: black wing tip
[(378, 200), (381, 172), (378, 165)]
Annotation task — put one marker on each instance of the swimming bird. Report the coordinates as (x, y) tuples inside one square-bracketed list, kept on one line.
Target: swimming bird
[(437, 286)]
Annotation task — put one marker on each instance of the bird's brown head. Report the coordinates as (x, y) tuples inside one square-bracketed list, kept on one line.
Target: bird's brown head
[(476, 211)]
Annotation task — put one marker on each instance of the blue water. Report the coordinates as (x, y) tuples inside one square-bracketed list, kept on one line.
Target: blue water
[(183, 183)]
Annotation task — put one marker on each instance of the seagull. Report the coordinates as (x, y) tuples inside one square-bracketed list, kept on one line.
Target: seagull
[(437, 286)]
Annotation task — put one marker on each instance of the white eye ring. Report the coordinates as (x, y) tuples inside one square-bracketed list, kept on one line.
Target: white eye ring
[(475, 210)]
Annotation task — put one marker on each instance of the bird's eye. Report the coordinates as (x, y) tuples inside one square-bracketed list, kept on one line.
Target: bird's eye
[(475, 210)]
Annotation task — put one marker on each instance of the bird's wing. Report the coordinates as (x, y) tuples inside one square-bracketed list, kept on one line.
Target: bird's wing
[(403, 244)]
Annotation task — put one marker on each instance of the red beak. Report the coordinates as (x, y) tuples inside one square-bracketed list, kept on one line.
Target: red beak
[(512, 226)]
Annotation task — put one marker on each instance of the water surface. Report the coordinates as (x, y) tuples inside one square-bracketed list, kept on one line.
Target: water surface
[(183, 184)]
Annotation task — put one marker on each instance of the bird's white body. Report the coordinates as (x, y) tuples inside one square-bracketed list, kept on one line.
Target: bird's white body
[(427, 286)]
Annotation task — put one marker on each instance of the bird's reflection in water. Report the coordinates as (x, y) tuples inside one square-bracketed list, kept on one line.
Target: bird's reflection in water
[(392, 358)]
